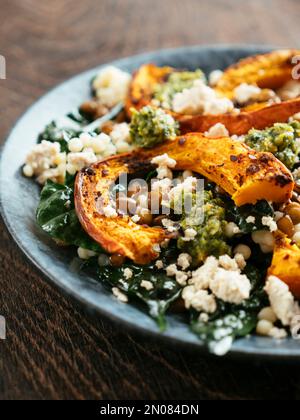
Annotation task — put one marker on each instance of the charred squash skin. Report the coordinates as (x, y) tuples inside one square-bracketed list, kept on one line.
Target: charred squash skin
[(246, 175), (286, 263), (268, 71)]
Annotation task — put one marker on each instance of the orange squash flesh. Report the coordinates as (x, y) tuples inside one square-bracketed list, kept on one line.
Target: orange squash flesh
[(267, 71), (116, 235), (246, 175), (286, 263), (270, 71)]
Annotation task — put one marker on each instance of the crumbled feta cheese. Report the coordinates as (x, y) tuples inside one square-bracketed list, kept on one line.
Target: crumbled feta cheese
[(147, 285), (222, 347), (214, 77), (119, 295), (170, 225), (270, 223), (223, 277), (128, 273), (164, 172), (230, 286), (200, 99), (110, 212), (111, 86), (184, 261), (265, 240), (159, 264), (251, 219), (181, 278), (171, 270), (46, 162), (164, 160), (244, 93), (282, 301), (200, 300), (218, 106), (78, 161), (189, 235), (136, 218), (218, 130)]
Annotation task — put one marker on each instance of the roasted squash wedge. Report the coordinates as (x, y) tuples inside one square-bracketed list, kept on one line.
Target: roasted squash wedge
[(246, 175), (267, 71), (286, 263), (242, 123), (270, 71)]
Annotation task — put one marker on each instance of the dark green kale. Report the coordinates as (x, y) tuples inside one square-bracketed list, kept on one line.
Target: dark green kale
[(57, 217)]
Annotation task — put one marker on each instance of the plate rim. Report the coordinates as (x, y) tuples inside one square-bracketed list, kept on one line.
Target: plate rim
[(235, 353)]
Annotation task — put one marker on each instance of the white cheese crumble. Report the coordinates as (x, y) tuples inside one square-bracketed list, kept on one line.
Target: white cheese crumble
[(110, 212), (189, 235), (214, 77), (201, 99), (164, 160), (159, 264), (184, 261), (270, 223), (200, 300), (245, 92), (45, 161), (230, 286), (136, 218), (119, 295), (282, 301), (251, 219), (147, 285), (223, 277), (128, 273), (216, 131), (111, 86)]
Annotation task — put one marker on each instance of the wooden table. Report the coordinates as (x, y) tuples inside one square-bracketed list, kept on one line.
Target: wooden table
[(54, 348)]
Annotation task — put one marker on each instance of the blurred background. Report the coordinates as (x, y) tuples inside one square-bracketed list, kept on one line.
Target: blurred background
[(55, 349)]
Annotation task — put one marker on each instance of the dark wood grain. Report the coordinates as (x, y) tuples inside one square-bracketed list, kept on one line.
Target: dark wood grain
[(55, 349)]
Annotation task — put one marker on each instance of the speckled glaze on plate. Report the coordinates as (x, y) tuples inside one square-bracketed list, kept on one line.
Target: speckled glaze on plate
[(19, 198)]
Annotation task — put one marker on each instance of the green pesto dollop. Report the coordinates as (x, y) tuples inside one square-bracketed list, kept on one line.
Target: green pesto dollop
[(176, 83), (151, 126), (282, 140), (210, 238)]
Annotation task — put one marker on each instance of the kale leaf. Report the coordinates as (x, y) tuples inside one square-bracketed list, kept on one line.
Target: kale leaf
[(162, 292), (54, 134), (57, 217), (239, 215)]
